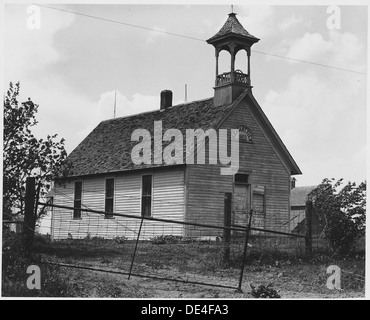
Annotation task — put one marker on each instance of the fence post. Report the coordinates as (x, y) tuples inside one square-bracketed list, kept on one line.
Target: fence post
[(134, 253), (29, 216), (227, 223), (245, 250), (308, 226)]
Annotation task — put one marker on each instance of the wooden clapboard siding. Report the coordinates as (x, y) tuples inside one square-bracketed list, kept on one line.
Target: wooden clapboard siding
[(128, 194), (259, 216), (266, 166), (205, 194), (61, 217), (205, 198), (206, 186), (167, 203)]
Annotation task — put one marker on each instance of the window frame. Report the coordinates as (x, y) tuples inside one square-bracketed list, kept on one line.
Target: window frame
[(77, 215), (244, 130), (112, 198), (142, 195), (248, 182)]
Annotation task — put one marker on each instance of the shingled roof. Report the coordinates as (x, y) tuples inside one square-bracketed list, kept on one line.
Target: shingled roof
[(108, 147), (298, 195), (232, 26)]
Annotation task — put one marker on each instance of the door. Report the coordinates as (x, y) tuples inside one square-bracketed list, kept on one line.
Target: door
[(242, 202), (258, 220)]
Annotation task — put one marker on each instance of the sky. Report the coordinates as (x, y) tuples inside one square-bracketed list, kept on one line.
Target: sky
[(72, 66)]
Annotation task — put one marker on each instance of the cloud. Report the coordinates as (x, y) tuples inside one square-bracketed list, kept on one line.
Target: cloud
[(88, 115), (124, 106), (339, 49), (323, 124), (290, 22), (308, 47), (346, 47), (73, 117), (257, 20), (27, 52), (62, 110)]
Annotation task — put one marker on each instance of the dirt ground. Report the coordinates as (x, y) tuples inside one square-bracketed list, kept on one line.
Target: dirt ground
[(292, 276), (295, 282)]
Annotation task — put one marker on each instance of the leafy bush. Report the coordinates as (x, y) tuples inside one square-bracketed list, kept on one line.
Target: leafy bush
[(342, 213), (263, 291), (14, 272), (163, 239), (121, 239), (24, 154)]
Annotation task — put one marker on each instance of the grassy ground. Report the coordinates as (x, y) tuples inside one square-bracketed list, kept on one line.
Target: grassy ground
[(297, 281), (290, 272)]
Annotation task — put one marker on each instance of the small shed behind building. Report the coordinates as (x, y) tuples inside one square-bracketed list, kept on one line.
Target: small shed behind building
[(298, 198)]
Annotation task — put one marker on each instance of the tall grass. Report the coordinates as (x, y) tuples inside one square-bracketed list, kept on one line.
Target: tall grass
[(14, 272)]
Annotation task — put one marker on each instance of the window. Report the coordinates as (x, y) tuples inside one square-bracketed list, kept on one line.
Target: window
[(241, 178), (109, 197), (245, 134), (77, 200), (146, 196)]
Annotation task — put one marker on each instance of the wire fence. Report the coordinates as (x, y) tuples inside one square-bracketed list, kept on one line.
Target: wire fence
[(145, 247), (164, 249), (178, 250), (165, 259)]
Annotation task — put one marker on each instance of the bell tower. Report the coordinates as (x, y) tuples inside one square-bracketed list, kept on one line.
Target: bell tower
[(232, 37)]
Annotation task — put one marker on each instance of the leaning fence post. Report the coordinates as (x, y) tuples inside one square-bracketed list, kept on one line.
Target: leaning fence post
[(308, 226), (29, 219), (134, 253), (245, 250)]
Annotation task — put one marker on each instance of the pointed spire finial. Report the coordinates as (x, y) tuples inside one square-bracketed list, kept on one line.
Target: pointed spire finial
[(232, 13)]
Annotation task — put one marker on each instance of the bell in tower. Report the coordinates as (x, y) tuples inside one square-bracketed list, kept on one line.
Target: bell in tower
[(232, 37)]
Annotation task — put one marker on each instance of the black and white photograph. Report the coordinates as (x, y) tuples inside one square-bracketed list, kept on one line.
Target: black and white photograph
[(184, 151)]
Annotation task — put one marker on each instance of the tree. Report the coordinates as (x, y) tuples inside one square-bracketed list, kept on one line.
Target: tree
[(24, 155), (340, 212)]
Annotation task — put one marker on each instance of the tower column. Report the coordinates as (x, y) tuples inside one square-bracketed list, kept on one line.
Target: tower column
[(232, 38), (232, 53), (217, 54), (249, 63)]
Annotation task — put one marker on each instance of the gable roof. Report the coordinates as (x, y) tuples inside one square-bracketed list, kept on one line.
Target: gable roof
[(298, 195), (108, 147), (274, 135), (232, 26)]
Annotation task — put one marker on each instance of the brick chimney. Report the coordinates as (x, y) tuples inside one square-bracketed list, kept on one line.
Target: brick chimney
[(166, 99)]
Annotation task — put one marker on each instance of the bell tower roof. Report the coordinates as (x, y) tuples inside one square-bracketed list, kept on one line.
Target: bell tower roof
[(232, 27), (233, 38)]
